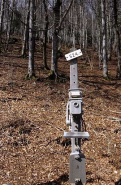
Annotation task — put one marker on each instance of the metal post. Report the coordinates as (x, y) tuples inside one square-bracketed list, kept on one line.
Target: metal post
[(77, 172), (73, 85)]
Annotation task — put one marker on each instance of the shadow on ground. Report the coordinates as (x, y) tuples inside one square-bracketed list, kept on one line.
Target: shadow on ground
[(118, 182), (62, 178)]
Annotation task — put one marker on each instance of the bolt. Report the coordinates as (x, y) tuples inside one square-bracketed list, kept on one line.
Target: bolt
[(76, 105), (77, 157)]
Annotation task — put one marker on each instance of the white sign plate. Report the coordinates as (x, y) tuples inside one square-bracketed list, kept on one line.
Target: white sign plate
[(73, 55)]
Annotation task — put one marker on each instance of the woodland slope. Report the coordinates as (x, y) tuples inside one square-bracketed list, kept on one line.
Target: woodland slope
[(32, 122)]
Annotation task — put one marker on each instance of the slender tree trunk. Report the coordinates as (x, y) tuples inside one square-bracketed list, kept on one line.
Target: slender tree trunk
[(8, 25), (92, 29), (54, 54), (80, 26), (71, 27), (13, 17), (10, 15), (73, 21), (56, 29), (83, 38), (109, 35), (104, 43), (118, 40), (26, 32), (1, 21), (31, 39), (86, 44), (99, 47), (8, 35), (45, 36), (56, 10)]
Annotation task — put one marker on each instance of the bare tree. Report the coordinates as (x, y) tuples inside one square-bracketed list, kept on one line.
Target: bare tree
[(56, 30), (8, 23), (1, 20), (109, 28), (31, 39), (118, 40), (26, 30), (104, 43), (45, 35), (56, 11)]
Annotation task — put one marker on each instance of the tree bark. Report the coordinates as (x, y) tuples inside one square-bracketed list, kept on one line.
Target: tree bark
[(31, 39), (45, 36), (8, 23), (92, 30), (104, 43), (26, 32), (109, 30), (1, 21), (57, 27), (118, 40), (56, 11)]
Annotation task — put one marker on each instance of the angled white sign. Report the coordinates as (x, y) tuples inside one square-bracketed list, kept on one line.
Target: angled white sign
[(73, 54)]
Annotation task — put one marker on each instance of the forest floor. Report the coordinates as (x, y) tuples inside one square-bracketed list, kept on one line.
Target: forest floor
[(32, 121)]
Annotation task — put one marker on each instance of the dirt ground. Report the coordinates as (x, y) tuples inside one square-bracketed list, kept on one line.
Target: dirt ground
[(32, 122)]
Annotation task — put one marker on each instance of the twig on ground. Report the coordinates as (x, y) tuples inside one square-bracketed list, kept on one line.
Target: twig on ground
[(58, 128), (109, 117)]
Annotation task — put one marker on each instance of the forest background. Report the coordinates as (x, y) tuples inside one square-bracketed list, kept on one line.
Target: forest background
[(34, 82)]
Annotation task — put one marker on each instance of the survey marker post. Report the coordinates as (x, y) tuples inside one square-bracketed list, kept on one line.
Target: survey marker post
[(74, 112)]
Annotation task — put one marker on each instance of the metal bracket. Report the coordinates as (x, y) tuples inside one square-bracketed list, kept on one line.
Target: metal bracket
[(76, 134), (75, 106), (75, 93)]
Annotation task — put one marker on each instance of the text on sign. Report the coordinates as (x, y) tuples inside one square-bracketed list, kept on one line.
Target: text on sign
[(73, 55)]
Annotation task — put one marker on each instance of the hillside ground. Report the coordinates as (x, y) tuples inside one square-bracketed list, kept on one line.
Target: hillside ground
[(32, 121)]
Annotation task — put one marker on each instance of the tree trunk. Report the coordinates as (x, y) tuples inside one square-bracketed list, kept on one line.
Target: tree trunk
[(80, 26), (57, 27), (8, 24), (118, 41), (109, 33), (92, 30), (1, 21), (99, 47), (104, 43), (45, 36), (56, 11), (10, 15), (26, 32), (73, 21), (31, 39), (83, 33)]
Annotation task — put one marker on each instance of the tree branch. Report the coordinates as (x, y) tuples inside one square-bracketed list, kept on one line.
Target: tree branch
[(65, 15)]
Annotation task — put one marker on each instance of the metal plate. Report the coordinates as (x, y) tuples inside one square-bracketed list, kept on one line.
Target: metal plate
[(75, 106), (77, 169), (73, 55)]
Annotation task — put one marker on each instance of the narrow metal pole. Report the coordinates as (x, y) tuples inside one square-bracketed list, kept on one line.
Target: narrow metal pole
[(77, 172), (73, 85), (73, 74)]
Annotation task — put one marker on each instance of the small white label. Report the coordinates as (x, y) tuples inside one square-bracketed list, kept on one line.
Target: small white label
[(75, 94), (73, 55)]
